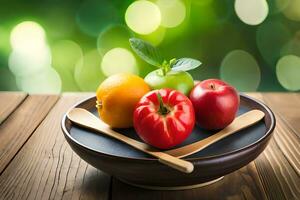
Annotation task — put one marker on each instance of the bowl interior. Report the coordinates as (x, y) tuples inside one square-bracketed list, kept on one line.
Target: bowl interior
[(110, 146)]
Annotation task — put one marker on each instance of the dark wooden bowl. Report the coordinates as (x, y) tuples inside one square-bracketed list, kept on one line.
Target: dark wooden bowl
[(135, 167)]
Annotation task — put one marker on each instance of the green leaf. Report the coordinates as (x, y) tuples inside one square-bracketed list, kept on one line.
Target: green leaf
[(185, 64), (146, 51)]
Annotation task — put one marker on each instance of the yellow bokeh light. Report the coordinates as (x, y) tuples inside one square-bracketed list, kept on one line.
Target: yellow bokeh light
[(28, 36), (172, 12), (65, 54), (251, 12), (287, 71), (292, 10), (143, 17), (30, 60), (25, 63), (156, 37), (118, 60)]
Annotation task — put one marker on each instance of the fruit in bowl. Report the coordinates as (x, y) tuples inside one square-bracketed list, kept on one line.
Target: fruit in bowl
[(215, 102), (164, 118), (170, 74), (116, 98)]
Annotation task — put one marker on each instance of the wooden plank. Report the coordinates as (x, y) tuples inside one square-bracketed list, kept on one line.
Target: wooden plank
[(9, 101), (287, 105), (241, 184), (18, 127), (278, 166), (288, 138), (288, 142), (47, 168)]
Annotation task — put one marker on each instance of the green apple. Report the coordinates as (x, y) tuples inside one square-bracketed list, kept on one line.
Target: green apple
[(168, 74), (177, 80)]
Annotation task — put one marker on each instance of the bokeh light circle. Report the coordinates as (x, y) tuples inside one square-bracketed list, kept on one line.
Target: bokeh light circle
[(118, 60), (251, 12), (45, 82), (65, 54), (67, 80), (112, 37), (143, 17), (28, 36), (277, 6), (26, 63), (292, 10), (240, 69), (271, 36), (288, 72), (292, 47), (172, 12), (88, 74), (156, 37), (93, 16)]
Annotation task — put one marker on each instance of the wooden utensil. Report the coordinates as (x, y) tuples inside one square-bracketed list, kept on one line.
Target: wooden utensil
[(243, 121), (233, 152), (86, 119)]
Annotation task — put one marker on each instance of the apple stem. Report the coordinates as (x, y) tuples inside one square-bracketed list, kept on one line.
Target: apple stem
[(212, 86), (162, 109), (165, 67)]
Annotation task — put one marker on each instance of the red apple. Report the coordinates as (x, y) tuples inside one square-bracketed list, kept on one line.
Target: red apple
[(215, 103)]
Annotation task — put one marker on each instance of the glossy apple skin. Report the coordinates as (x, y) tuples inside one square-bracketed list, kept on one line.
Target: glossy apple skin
[(164, 131), (215, 103)]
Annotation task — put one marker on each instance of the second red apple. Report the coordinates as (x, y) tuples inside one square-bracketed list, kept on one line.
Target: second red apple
[(215, 103)]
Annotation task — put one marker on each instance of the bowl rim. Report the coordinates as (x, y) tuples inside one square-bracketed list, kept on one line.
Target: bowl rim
[(269, 131)]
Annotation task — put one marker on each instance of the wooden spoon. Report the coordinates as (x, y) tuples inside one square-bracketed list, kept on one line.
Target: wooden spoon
[(243, 121), (86, 119)]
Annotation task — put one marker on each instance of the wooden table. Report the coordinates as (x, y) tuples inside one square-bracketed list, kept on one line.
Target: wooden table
[(37, 163)]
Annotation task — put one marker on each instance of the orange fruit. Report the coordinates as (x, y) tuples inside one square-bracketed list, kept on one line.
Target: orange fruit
[(117, 96)]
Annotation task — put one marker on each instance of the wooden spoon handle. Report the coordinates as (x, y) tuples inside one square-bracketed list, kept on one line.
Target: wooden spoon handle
[(86, 119), (176, 163), (243, 121)]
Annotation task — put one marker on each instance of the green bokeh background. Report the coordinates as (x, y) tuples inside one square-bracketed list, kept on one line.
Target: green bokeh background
[(209, 32)]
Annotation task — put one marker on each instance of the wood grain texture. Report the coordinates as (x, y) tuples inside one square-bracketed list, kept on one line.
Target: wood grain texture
[(287, 106), (241, 184), (47, 168), (278, 166), (9, 101), (19, 126), (150, 172)]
